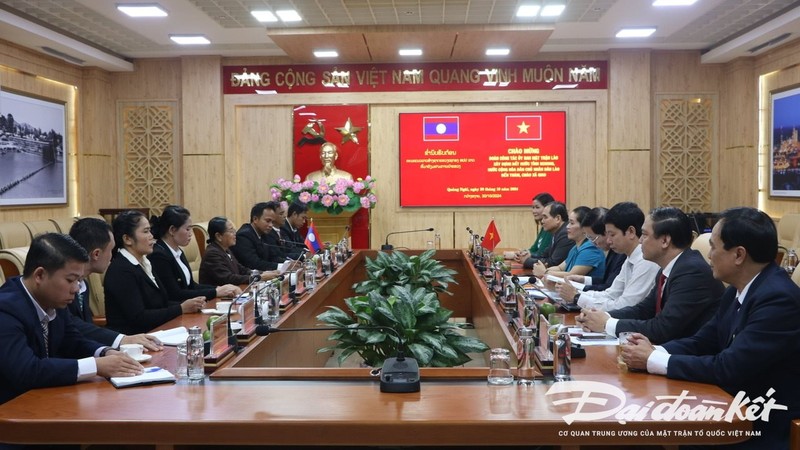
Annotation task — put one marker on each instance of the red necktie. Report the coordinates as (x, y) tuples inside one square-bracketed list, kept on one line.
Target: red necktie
[(661, 280)]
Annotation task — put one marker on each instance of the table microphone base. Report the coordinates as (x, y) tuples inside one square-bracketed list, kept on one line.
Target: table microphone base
[(400, 375), (387, 247)]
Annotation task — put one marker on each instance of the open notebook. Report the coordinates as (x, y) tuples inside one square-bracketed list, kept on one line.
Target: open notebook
[(151, 375), (173, 336)]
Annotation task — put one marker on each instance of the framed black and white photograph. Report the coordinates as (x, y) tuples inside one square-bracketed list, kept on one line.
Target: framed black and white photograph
[(33, 150), (784, 146)]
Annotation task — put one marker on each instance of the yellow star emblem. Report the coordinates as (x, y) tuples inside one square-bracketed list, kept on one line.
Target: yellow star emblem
[(523, 127), (348, 132)]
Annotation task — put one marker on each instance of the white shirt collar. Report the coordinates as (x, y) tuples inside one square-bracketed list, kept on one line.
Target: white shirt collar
[(40, 313), (636, 254), (145, 263), (668, 269), (740, 296)]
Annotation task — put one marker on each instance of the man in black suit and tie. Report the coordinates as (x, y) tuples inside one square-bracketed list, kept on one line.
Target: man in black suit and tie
[(252, 249), (39, 343), (685, 295), (95, 236), (296, 218), (752, 343)]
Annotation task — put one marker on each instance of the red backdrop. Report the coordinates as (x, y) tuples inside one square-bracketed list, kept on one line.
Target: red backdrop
[(353, 156)]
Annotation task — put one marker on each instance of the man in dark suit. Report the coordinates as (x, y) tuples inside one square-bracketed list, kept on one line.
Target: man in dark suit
[(251, 248), (275, 241), (752, 342), (95, 236), (296, 218), (554, 219), (685, 295), (39, 343)]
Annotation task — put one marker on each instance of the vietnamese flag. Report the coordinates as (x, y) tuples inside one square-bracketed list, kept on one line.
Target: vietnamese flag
[(523, 128), (491, 238), (312, 239)]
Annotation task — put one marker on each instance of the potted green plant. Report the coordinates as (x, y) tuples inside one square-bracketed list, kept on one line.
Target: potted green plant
[(400, 302)]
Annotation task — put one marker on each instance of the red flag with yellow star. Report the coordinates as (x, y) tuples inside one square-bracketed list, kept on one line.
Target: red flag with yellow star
[(491, 238)]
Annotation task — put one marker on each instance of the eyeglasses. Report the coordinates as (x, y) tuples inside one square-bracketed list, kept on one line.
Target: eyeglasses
[(230, 230), (591, 239)]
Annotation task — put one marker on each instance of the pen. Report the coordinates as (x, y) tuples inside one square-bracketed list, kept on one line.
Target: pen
[(152, 369)]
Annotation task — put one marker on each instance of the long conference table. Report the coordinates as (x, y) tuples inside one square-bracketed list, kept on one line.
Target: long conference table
[(278, 392)]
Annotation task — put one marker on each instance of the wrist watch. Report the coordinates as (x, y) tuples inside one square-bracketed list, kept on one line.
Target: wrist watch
[(104, 351), (576, 297)]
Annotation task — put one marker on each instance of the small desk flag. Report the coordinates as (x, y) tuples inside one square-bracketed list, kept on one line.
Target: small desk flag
[(491, 238), (312, 239)]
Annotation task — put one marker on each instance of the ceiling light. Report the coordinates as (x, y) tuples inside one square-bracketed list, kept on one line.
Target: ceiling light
[(552, 10), (142, 10), (528, 11), (497, 51), (289, 15), (190, 39), (673, 2), (264, 16), (410, 52), (326, 53), (636, 32)]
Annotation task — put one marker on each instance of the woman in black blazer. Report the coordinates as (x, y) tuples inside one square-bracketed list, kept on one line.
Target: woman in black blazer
[(173, 231), (136, 301)]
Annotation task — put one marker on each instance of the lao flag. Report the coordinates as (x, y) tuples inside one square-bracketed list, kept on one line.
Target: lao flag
[(440, 128), (523, 128), (491, 238), (312, 239)]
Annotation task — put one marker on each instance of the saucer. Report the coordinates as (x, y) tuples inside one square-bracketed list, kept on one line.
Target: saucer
[(144, 357), (213, 311)]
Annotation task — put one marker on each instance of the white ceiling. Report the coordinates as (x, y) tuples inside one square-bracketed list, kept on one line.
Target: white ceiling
[(94, 32)]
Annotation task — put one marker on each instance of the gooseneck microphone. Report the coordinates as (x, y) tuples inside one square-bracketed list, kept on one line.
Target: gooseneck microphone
[(386, 246), (398, 374)]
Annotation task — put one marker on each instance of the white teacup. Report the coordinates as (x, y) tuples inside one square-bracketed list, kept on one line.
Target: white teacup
[(223, 306), (132, 350)]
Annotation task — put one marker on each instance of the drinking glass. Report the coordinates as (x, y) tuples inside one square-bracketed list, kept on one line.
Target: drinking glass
[(500, 367), (622, 340), (182, 369)]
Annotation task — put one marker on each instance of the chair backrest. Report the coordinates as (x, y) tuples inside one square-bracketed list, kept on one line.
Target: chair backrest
[(41, 227), (702, 244), (192, 253), (14, 234), (794, 434), (789, 231), (12, 262), (97, 296), (200, 231), (64, 223)]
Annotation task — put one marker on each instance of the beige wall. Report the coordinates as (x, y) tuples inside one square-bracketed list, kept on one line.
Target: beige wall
[(234, 146)]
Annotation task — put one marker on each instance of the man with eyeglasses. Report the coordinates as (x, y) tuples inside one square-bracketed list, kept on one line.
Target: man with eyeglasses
[(623, 227)]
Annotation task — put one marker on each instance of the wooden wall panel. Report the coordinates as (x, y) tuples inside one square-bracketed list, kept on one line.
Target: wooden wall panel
[(97, 154), (204, 186), (681, 71), (629, 178), (629, 108), (738, 155), (151, 79), (201, 96)]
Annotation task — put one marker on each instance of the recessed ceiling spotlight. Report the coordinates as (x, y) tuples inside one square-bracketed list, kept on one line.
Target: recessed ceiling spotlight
[(264, 16), (142, 10), (497, 51), (636, 32), (410, 52), (288, 15), (189, 39), (528, 10), (326, 53), (673, 2), (552, 10)]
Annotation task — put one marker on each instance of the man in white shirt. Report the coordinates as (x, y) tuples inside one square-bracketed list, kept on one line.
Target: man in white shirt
[(623, 229)]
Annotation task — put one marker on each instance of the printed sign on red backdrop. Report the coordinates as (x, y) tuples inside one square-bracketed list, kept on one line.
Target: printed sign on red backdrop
[(481, 158), (345, 126)]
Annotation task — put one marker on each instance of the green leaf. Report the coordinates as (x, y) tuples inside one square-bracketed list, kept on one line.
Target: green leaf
[(421, 353)]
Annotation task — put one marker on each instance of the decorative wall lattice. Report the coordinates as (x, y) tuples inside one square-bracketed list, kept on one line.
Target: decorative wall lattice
[(686, 141), (148, 133)]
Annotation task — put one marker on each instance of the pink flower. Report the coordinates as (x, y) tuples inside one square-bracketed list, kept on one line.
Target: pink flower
[(327, 200), (358, 186), (339, 188), (314, 197), (285, 184), (308, 184), (276, 195), (372, 198), (368, 178), (365, 203), (343, 200), (296, 187), (322, 188), (285, 205), (296, 178), (305, 197)]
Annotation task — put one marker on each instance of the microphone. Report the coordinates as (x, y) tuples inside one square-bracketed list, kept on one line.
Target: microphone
[(398, 375), (387, 246), (231, 335)]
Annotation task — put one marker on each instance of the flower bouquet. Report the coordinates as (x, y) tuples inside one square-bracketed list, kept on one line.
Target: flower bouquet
[(343, 195)]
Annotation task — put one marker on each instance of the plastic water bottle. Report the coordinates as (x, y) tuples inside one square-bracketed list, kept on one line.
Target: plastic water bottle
[(526, 366), (437, 241), (311, 275), (194, 353), (326, 263)]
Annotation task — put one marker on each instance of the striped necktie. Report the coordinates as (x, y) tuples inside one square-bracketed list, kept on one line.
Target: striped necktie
[(46, 334)]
